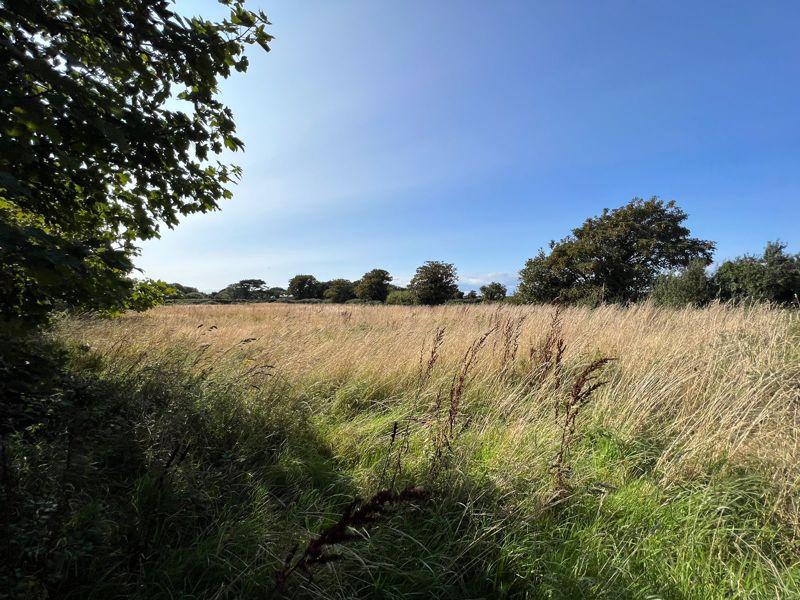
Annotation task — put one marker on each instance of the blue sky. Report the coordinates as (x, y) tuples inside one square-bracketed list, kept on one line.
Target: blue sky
[(384, 134)]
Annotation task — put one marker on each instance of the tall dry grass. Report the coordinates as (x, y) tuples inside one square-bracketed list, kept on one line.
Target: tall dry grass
[(712, 384)]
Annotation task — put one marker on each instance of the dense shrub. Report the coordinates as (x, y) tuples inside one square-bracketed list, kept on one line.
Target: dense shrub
[(772, 277), (406, 297), (691, 286)]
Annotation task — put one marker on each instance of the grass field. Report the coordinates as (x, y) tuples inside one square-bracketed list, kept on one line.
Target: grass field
[(244, 432)]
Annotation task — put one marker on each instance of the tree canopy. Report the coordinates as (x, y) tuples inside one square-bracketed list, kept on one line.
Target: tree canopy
[(434, 283), (111, 129), (339, 290), (772, 277), (373, 285), (493, 292), (304, 287), (614, 257)]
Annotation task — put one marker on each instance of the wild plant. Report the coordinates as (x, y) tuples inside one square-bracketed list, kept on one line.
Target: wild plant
[(511, 332), (358, 515), (566, 414), (445, 432), (548, 356), (426, 368)]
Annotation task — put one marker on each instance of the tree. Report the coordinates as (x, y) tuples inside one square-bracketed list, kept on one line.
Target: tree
[(772, 277), (147, 294), (374, 285), (92, 158), (493, 292), (340, 291), (614, 257), (434, 282), (689, 287), (402, 297), (304, 287), (248, 289), (180, 291)]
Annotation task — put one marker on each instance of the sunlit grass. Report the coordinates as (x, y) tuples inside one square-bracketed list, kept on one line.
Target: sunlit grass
[(683, 480)]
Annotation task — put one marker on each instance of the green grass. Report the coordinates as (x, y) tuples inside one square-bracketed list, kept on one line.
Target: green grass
[(92, 512)]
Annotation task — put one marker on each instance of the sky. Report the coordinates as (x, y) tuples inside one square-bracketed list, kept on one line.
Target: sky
[(384, 134)]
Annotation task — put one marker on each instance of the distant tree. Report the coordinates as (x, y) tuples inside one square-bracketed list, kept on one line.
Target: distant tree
[(471, 295), (182, 290), (493, 292), (434, 283), (95, 152), (404, 297), (772, 277), (340, 291), (276, 292), (373, 285), (688, 287), (614, 257), (249, 289), (305, 287), (246, 289)]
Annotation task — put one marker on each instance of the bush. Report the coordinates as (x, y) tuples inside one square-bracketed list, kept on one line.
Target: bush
[(690, 287), (772, 277), (404, 297)]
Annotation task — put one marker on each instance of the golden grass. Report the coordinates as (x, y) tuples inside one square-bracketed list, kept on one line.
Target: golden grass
[(716, 383)]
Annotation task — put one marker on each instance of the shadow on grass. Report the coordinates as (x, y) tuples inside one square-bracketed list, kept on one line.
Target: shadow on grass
[(146, 481), (150, 482)]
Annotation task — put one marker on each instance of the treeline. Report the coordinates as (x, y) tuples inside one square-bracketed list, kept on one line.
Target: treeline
[(638, 251), (434, 283)]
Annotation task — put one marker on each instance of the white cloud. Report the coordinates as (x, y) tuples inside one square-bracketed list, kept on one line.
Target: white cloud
[(478, 279)]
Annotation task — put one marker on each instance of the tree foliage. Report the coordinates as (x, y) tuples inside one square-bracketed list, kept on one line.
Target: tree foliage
[(246, 289), (305, 287), (339, 290), (434, 283), (772, 277), (374, 285), (92, 155), (615, 257), (493, 292), (688, 287), (181, 291), (147, 294)]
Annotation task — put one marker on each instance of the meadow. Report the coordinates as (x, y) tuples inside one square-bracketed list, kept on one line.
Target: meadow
[(497, 451)]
